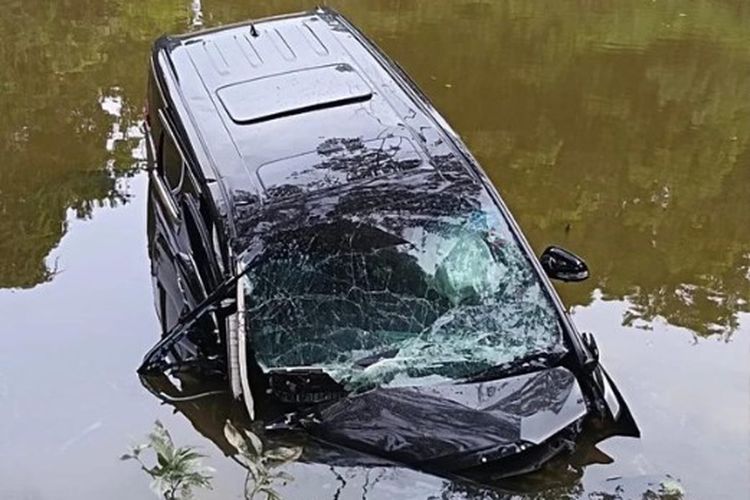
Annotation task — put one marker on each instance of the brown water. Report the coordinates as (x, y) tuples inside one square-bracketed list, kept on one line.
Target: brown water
[(620, 130)]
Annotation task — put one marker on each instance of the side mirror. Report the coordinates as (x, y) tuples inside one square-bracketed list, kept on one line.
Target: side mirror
[(563, 265)]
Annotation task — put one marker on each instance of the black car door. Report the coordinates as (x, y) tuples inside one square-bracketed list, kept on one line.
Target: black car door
[(183, 264)]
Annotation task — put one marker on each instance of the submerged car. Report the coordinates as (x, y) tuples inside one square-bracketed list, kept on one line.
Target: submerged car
[(326, 249)]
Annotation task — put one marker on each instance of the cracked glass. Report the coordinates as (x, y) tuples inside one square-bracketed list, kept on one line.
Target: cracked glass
[(411, 292)]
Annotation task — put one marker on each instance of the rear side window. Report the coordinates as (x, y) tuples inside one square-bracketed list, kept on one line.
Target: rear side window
[(170, 162)]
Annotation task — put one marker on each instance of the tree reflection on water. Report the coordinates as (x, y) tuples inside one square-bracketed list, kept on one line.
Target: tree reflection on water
[(622, 133), (62, 150)]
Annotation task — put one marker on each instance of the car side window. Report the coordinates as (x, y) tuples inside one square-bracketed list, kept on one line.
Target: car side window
[(171, 166)]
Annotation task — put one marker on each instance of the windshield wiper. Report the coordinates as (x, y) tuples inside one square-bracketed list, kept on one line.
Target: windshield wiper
[(518, 366)]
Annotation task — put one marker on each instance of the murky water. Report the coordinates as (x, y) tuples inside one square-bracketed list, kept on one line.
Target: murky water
[(619, 131)]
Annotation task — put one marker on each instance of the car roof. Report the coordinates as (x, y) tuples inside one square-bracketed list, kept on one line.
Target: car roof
[(294, 105)]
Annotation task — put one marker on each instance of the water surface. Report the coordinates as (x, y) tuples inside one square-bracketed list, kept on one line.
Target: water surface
[(620, 131)]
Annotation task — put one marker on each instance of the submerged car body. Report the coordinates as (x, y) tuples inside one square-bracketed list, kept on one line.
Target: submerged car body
[(325, 247)]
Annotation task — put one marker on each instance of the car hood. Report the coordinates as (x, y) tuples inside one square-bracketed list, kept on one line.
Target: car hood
[(455, 426)]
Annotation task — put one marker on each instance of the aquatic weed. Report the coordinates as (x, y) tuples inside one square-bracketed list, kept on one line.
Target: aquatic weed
[(261, 478), (178, 470)]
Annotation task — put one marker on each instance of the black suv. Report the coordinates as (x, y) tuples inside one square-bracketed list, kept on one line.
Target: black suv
[(324, 247)]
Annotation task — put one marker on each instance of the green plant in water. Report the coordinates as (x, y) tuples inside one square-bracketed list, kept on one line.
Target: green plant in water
[(669, 489), (261, 463), (178, 470)]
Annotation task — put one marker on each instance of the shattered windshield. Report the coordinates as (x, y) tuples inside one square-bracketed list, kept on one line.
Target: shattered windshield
[(395, 297)]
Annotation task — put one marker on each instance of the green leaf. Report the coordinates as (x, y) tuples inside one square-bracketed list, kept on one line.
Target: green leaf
[(254, 441), (672, 487), (283, 454), (236, 439), (161, 440), (256, 470), (189, 454)]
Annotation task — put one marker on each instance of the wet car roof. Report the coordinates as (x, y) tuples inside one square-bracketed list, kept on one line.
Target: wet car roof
[(269, 100)]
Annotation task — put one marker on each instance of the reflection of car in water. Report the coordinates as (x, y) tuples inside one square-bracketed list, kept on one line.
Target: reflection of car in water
[(325, 249), (330, 471)]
